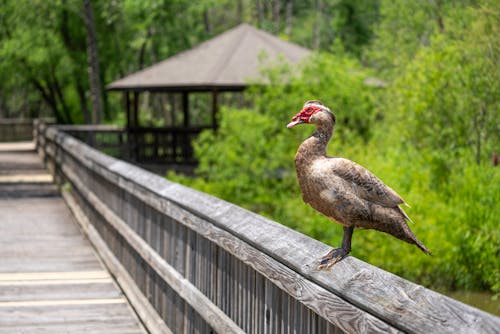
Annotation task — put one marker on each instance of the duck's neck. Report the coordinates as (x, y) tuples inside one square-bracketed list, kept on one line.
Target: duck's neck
[(315, 146)]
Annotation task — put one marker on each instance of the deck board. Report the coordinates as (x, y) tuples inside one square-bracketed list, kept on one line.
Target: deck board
[(51, 280)]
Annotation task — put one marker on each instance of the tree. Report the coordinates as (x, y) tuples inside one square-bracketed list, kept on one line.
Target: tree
[(93, 61), (403, 27), (31, 51), (449, 96)]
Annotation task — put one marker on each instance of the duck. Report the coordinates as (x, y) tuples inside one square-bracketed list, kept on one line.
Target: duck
[(342, 190)]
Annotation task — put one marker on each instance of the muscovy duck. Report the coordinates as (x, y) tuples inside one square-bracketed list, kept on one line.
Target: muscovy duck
[(342, 190)]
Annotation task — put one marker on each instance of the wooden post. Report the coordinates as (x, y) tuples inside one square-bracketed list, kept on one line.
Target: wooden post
[(128, 151), (136, 109), (185, 108), (215, 107), (127, 102), (184, 135)]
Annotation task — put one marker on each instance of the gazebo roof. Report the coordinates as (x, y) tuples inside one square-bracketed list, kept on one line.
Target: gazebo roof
[(225, 62)]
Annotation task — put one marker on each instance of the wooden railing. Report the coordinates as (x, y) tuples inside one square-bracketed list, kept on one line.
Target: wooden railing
[(13, 130), (109, 139), (169, 144), (190, 262)]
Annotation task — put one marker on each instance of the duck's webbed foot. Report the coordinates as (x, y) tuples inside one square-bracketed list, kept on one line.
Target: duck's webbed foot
[(337, 254), (333, 256)]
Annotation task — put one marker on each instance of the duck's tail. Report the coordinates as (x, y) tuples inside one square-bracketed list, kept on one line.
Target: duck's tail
[(395, 222), (422, 246), (411, 237)]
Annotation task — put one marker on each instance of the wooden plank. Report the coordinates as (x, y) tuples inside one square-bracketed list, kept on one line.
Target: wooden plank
[(23, 178), (42, 277), (153, 322), (35, 236), (212, 315), (60, 291), (58, 282), (89, 318), (59, 302)]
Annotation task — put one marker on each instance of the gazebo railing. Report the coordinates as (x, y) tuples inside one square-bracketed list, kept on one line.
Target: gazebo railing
[(17, 129), (143, 145), (168, 144), (111, 140)]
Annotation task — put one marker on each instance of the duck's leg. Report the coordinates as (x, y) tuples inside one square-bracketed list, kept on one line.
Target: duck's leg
[(337, 254)]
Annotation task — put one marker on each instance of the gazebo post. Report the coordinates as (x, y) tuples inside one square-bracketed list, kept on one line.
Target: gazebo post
[(184, 140), (185, 108), (215, 106), (127, 105), (136, 109), (126, 151), (133, 133)]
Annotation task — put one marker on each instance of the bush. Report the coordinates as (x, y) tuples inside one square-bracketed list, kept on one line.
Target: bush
[(428, 136)]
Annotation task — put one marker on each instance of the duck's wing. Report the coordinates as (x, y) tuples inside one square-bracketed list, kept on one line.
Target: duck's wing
[(364, 183)]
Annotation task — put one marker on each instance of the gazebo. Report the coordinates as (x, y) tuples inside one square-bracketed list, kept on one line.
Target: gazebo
[(224, 63)]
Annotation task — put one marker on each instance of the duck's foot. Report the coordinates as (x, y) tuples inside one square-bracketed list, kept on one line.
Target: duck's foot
[(333, 256)]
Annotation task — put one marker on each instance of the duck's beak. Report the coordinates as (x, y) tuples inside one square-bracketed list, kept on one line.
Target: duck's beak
[(293, 123)]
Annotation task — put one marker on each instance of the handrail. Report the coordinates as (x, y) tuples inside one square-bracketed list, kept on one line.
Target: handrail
[(266, 271)]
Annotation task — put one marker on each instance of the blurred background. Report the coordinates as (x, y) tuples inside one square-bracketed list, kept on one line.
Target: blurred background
[(415, 86)]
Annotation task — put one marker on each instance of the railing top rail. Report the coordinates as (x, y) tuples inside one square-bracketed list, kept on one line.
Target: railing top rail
[(90, 128)]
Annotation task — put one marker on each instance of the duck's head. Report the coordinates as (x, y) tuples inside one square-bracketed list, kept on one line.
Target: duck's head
[(313, 112)]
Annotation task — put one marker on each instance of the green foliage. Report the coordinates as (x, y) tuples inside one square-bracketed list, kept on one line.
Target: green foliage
[(452, 89), (406, 26), (428, 135)]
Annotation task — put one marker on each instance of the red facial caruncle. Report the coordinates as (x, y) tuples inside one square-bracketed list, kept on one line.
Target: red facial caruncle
[(304, 115)]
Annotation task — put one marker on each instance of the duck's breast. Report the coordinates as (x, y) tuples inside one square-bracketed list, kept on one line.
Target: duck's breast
[(330, 194)]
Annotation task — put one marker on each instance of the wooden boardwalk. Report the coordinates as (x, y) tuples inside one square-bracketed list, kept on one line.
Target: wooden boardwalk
[(51, 280)]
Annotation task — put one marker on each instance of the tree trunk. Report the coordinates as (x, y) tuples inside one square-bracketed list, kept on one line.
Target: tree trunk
[(478, 123), (93, 62), (317, 26), (206, 22), (240, 11), (289, 17), (439, 16), (83, 102), (58, 94), (259, 13), (142, 51), (276, 15)]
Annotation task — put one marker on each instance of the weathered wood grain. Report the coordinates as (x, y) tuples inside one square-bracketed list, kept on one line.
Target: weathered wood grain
[(218, 320), (60, 291), (148, 315), (50, 278), (84, 319), (402, 304)]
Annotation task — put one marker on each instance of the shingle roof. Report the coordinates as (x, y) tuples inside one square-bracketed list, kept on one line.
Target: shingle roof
[(225, 62)]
